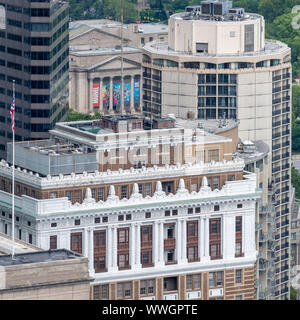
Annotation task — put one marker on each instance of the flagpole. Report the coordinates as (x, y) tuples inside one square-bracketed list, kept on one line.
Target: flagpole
[(13, 180)]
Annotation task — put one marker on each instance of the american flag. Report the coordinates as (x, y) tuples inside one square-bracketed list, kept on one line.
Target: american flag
[(12, 114)]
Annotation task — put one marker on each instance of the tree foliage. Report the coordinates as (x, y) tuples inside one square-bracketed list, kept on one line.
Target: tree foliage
[(100, 9), (296, 182), (293, 294), (77, 116)]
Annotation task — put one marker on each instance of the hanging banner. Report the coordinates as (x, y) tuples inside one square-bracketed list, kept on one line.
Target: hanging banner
[(127, 94), (116, 95), (106, 95), (96, 94), (136, 91)]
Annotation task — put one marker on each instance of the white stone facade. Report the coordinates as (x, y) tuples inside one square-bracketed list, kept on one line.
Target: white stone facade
[(61, 212)]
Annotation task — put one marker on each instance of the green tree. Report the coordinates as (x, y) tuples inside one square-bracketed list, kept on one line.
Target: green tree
[(248, 5), (271, 9), (296, 181), (296, 100), (293, 294), (112, 8), (281, 29), (77, 116)]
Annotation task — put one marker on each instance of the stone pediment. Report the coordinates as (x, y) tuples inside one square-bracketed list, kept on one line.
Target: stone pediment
[(114, 64)]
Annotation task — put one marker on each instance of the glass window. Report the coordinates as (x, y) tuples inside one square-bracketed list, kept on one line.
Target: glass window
[(213, 155), (238, 276)]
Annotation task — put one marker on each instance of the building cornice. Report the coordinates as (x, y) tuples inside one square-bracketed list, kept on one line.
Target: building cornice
[(54, 207), (129, 175)]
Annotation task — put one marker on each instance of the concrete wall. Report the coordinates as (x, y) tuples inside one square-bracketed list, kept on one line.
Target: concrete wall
[(77, 291), (254, 101), (179, 93), (221, 37), (45, 273)]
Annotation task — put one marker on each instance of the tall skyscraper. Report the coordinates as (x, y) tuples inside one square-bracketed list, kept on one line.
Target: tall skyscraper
[(35, 53), (218, 64)]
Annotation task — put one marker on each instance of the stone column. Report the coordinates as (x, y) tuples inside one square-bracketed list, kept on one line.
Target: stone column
[(115, 250), (161, 244), (109, 243), (111, 110), (243, 235), (223, 237), (86, 242), (178, 240), (91, 252), (132, 245), (183, 242), (90, 96), (200, 241), (132, 110), (138, 246), (206, 239), (155, 243)]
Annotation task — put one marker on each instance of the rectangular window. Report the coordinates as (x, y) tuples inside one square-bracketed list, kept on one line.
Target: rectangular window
[(192, 229), (213, 155), (231, 177), (146, 258), (123, 260), (249, 38), (238, 236), (215, 238), (238, 249), (238, 276), (147, 287), (193, 282), (201, 47), (100, 194), (147, 189), (146, 234), (76, 242), (192, 253), (53, 194), (123, 236), (100, 292), (215, 279), (124, 192), (124, 290), (216, 183), (53, 242)]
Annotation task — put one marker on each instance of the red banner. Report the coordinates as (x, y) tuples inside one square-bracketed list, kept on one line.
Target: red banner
[(95, 94)]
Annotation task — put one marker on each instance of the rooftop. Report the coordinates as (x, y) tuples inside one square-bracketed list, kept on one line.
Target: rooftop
[(211, 125), (227, 17), (37, 257), (251, 151), (77, 27), (20, 246), (162, 47), (85, 50)]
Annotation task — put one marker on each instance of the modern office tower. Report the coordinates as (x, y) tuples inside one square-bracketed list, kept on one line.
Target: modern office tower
[(160, 208), (34, 53), (217, 63)]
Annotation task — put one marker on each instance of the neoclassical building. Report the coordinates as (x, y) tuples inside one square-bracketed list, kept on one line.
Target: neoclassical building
[(180, 226), (95, 80)]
